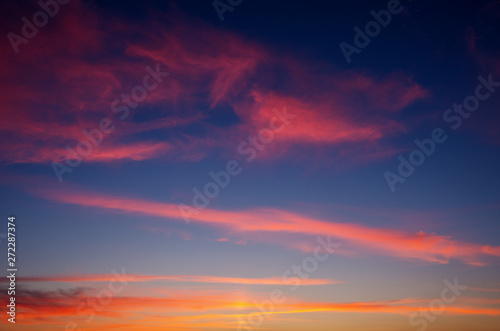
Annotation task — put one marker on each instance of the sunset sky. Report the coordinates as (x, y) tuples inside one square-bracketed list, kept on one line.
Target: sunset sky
[(251, 165)]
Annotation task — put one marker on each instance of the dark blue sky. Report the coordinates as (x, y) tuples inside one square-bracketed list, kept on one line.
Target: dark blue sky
[(321, 171)]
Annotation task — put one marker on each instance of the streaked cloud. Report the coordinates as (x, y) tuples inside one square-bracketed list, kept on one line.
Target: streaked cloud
[(422, 246)]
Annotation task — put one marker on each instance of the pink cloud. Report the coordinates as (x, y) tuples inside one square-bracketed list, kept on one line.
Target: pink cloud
[(68, 93), (252, 223)]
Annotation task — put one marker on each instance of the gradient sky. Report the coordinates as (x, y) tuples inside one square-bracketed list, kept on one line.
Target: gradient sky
[(321, 176)]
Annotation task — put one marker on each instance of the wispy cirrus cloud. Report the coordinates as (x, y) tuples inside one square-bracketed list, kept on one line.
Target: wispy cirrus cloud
[(71, 91), (256, 223), (175, 278)]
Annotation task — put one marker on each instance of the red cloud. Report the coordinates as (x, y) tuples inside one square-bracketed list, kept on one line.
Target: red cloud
[(75, 85)]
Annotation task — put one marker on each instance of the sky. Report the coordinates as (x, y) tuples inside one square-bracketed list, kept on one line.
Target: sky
[(251, 165)]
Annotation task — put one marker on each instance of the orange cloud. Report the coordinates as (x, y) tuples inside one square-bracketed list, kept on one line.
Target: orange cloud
[(421, 246), (173, 278), (202, 311)]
